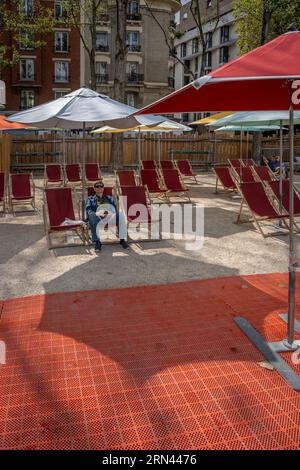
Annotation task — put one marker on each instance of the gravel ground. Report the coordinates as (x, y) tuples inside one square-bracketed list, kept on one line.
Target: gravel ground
[(27, 267)]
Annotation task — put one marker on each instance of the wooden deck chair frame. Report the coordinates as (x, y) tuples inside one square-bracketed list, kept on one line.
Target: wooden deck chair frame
[(276, 198), (226, 190), (128, 223), (193, 176), (236, 174), (3, 201), (179, 194), (80, 231), (266, 162), (257, 219), (73, 184), (21, 202), (258, 178), (162, 196), (53, 183)]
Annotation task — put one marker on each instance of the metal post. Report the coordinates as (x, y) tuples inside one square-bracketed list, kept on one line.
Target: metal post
[(139, 150), (83, 170), (241, 152), (292, 255), (281, 168), (159, 147)]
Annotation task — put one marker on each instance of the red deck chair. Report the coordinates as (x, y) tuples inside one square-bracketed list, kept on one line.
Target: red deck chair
[(21, 190), (58, 206), (135, 207), (174, 184), (53, 174), (185, 169), (108, 191), (166, 165), (263, 173), (2, 190), (260, 206), (224, 176), (125, 178), (150, 179), (148, 164), (92, 172), (244, 174), (248, 162), (73, 175), (275, 186), (235, 163)]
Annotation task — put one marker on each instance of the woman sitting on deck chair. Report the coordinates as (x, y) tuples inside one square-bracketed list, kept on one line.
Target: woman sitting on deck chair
[(101, 209)]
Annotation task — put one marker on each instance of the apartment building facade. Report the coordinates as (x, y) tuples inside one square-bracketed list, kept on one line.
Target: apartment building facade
[(221, 43), (149, 67), (44, 73)]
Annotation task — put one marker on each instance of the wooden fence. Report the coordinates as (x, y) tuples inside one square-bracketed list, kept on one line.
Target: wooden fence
[(5, 152), (39, 150)]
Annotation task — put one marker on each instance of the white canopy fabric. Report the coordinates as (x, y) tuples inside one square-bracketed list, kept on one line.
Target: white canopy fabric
[(256, 118), (246, 128), (83, 108), (166, 126)]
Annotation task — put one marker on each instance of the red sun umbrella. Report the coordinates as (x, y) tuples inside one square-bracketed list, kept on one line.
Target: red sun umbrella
[(7, 126), (261, 80), (265, 79)]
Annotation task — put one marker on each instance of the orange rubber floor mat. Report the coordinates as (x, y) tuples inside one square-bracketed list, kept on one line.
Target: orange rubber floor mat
[(154, 367)]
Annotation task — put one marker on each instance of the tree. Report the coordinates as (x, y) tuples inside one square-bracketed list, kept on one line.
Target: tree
[(259, 21), (19, 22)]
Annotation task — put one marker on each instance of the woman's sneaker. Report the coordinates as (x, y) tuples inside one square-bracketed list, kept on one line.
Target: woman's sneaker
[(124, 244)]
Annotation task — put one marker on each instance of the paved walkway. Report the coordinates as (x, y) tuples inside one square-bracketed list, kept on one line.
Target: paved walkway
[(149, 367)]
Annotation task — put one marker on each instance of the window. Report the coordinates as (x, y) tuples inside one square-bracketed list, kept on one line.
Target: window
[(133, 10), (209, 3), (26, 41), (61, 71), (131, 99), (208, 40), (26, 7), (195, 46), (185, 117), (60, 94), (183, 49), (207, 59), (132, 70), (59, 10), (102, 42), (61, 40), (27, 69), (224, 55), (27, 99), (133, 40), (101, 72), (196, 65), (224, 34)]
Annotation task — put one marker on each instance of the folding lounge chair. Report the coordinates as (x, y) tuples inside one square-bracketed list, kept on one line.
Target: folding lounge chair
[(133, 200), (73, 175), (235, 163), (150, 179), (275, 187), (58, 206), (263, 173), (243, 174), (21, 190), (166, 165), (2, 190), (224, 176), (53, 174), (185, 169), (92, 172), (174, 185), (260, 206), (125, 178), (248, 162), (148, 164)]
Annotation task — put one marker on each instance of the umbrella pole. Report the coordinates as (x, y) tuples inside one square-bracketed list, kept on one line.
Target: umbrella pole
[(139, 150), (281, 168), (241, 153), (292, 254), (83, 171), (159, 148)]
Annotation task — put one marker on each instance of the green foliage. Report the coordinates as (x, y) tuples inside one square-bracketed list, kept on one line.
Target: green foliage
[(18, 26), (250, 17)]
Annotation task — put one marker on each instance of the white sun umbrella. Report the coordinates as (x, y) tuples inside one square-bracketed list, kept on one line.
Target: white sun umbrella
[(80, 109)]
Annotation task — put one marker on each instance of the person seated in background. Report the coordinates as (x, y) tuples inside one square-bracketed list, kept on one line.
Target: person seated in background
[(101, 208), (274, 163)]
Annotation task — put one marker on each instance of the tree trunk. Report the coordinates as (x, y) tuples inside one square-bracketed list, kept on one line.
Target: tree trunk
[(257, 147), (119, 78)]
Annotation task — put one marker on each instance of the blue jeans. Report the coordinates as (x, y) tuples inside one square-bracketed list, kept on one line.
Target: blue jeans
[(118, 219)]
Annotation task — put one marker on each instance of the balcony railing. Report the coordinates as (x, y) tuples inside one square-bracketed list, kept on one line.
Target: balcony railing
[(134, 47), (102, 78), (104, 18), (101, 48), (171, 82), (135, 78), (134, 16)]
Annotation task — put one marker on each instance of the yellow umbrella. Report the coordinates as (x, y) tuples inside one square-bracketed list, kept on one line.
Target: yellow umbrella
[(214, 117)]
